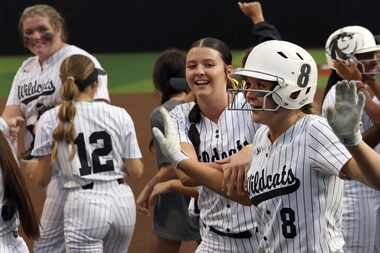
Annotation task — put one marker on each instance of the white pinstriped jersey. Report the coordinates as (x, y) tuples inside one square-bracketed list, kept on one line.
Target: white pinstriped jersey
[(5, 226), (233, 130), (37, 87), (295, 186), (105, 135), (359, 214)]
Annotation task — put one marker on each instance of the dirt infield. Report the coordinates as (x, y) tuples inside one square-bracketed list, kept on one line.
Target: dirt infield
[(139, 106)]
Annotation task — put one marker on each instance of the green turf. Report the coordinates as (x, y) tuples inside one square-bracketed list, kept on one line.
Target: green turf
[(127, 72)]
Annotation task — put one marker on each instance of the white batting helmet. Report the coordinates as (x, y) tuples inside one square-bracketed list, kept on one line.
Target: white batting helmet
[(290, 66), (347, 42)]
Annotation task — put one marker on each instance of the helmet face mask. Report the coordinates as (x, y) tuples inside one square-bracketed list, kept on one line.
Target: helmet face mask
[(289, 66), (368, 63)]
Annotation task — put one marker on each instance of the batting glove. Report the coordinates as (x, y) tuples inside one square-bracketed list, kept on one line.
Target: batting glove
[(345, 117), (169, 143)]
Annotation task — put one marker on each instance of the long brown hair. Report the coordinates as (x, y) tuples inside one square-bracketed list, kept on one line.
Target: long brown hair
[(15, 193), (75, 71)]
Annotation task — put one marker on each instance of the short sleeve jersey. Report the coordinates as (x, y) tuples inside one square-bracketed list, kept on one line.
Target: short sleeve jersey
[(156, 121), (295, 185), (104, 136), (36, 88), (219, 140)]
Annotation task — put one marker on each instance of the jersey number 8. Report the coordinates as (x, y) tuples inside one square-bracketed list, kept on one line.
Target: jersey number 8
[(102, 151)]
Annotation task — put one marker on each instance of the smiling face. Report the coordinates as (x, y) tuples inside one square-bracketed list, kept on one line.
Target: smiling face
[(206, 72), (40, 37)]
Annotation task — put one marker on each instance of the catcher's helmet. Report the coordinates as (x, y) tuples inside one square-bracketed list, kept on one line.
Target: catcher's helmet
[(348, 43)]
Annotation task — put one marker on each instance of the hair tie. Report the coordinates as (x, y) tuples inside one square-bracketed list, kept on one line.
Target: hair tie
[(71, 78)]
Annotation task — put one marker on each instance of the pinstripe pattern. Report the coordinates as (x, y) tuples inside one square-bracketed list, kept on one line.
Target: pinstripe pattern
[(106, 214), (294, 182), (11, 243), (359, 214), (43, 84), (34, 86), (51, 228), (84, 229), (233, 130)]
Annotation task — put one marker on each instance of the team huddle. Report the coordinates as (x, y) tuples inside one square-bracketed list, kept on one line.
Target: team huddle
[(245, 162)]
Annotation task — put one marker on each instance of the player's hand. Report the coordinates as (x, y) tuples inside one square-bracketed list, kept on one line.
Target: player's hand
[(15, 124), (345, 117), (169, 144), (253, 10), (158, 189), (347, 70), (142, 201), (234, 169)]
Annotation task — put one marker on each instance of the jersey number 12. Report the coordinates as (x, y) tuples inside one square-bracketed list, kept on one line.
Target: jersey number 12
[(102, 151)]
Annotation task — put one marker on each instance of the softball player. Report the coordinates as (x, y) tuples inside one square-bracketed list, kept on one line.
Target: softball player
[(356, 44), (296, 159), (35, 89), (209, 133), (171, 221), (14, 201), (91, 144)]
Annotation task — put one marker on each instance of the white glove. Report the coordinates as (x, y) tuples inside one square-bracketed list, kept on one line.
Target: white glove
[(345, 117), (169, 143)]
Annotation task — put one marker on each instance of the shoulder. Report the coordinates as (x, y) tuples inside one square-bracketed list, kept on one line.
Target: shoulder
[(72, 50), (183, 108), (317, 126), (28, 64)]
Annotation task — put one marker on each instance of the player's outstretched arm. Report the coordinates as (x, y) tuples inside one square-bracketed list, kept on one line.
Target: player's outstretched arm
[(205, 175), (344, 118), (42, 171), (169, 186)]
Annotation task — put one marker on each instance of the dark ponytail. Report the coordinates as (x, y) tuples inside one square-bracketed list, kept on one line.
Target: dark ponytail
[(15, 194), (193, 134)]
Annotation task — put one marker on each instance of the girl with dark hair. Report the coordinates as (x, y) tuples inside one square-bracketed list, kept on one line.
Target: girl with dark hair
[(171, 221), (15, 201), (93, 146), (208, 132)]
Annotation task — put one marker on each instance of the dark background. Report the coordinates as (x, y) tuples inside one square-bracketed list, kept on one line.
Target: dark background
[(147, 25)]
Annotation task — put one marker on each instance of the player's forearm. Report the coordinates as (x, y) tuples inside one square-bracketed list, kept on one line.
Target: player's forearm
[(211, 178), (165, 173), (368, 162), (176, 185)]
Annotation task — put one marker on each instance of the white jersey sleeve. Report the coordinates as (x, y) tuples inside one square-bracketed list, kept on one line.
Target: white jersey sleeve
[(44, 134), (13, 98), (130, 146), (327, 154), (328, 101), (179, 115)]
